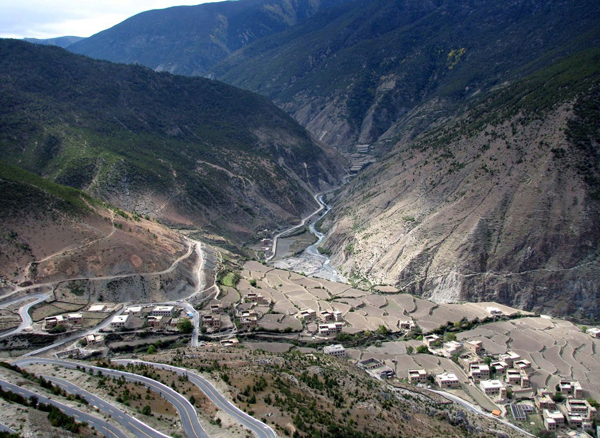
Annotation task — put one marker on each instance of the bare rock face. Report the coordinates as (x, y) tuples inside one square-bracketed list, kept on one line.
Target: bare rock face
[(496, 215)]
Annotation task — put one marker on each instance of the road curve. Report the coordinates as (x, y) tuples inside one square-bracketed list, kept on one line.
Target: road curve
[(108, 430), (260, 429), (137, 427), (187, 413), (24, 312), (5, 428), (477, 410)]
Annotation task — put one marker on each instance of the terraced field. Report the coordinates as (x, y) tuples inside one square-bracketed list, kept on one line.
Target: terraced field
[(557, 349), (291, 292)]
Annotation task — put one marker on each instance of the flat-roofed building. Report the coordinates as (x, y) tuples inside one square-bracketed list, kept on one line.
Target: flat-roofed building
[(134, 311), (308, 314), (53, 321), (211, 321), (75, 318), (163, 311), (522, 364), (545, 402), (557, 416), (97, 308), (120, 321), (156, 321), (594, 332), (249, 322), (491, 388), (452, 348), (509, 358), (513, 376), (327, 316), (431, 340), (216, 308), (447, 380), (572, 388), (500, 366), (336, 350), (475, 347), (369, 364), (417, 376), (331, 328), (407, 325), (479, 372), (582, 407)]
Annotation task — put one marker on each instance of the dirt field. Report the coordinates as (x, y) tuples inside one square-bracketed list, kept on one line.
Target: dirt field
[(361, 310)]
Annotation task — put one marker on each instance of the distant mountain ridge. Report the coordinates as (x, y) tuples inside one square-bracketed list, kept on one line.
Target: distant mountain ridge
[(356, 71), (63, 42), (189, 40), (189, 151)]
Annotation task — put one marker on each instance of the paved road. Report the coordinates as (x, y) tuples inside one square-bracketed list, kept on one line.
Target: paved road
[(260, 429), (137, 427), (108, 430), (76, 336), (24, 312), (187, 413), (473, 408)]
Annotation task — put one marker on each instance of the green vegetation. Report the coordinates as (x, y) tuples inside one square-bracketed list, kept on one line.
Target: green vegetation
[(92, 125), (185, 326), (228, 278)]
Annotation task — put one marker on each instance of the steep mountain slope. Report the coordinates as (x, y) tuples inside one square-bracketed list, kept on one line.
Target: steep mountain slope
[(58, 41), (49, 232), (371, 69), (501, 204), (189, 151), (189, 40)]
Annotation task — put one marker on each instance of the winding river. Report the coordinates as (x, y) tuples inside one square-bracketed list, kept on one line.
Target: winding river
[(311, 262)]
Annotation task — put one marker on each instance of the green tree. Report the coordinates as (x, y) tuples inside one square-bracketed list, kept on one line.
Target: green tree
[(593, 403), (151, 349), (147, 410), (410, 350), (185, 326), (422, 349)]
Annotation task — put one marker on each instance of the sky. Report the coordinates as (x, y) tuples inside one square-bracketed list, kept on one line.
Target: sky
[(54, 18)]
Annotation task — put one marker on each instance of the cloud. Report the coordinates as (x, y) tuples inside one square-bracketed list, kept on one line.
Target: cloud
[(44, 19)]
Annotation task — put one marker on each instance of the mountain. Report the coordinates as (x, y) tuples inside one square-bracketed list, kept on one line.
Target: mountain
[(50, 232), (63, 42), (500, 204), (370, 69), (189, 40), (190, 151)]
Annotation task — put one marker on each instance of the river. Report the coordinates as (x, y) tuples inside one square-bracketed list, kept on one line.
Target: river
[(311, 262)]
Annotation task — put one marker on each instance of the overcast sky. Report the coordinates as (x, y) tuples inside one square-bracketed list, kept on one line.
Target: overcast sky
[(53, 18)]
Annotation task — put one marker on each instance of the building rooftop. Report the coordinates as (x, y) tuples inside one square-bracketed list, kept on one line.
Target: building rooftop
[(334, 348), (120, 318), (489, 384)]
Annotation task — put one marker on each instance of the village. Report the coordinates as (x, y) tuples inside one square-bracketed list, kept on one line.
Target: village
[(490, 356)]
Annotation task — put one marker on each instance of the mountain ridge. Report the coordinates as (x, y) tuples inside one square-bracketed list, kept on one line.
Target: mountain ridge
[(499, 204), (185, 150)]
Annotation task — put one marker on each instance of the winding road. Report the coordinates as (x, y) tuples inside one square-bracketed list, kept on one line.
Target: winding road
[(137, 427), (108, 430), (189, 418), (476, 409), (24, 312), (260, 429)]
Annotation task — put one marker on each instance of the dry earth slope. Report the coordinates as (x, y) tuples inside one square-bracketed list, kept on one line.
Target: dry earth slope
[(500, 205)]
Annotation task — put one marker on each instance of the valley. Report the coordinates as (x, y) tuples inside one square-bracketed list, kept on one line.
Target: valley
[(324, 218)]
